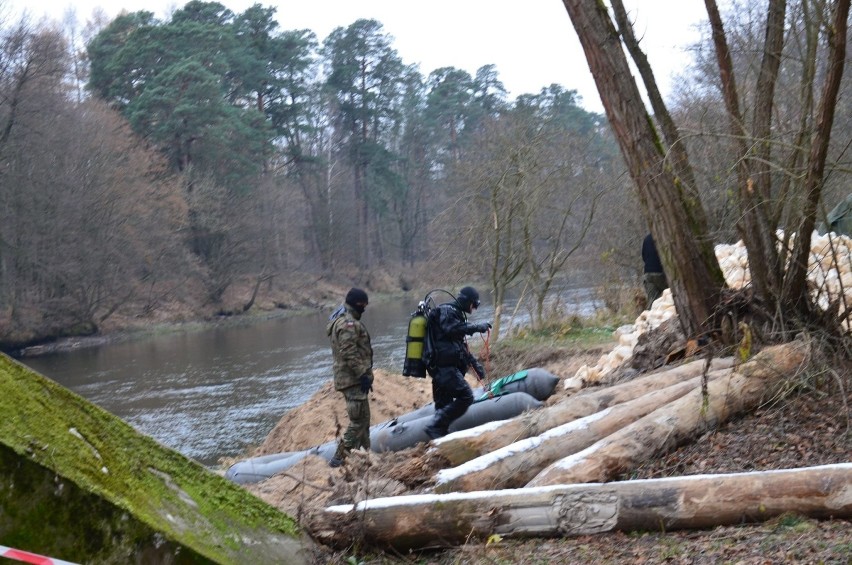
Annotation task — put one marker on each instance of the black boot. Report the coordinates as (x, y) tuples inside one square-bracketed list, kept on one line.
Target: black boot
[(435, 432), (439, 425)]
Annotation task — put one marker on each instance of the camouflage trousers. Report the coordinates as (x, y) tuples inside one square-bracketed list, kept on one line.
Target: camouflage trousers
[(655, 284), (357, 434)]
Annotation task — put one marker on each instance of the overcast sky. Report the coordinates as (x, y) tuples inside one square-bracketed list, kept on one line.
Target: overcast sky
[(532, 43)]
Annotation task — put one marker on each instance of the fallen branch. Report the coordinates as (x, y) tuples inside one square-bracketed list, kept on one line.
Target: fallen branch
[(303, 482)]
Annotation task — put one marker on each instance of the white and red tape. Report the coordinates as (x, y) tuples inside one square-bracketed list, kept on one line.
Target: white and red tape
[(27, 557)]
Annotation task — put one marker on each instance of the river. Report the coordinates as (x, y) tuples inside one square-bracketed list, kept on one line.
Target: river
[(216, 392)]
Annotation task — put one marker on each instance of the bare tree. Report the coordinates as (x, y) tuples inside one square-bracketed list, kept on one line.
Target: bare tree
[(663, 187), (32, 66), (781, 136), (575, 175), (87, 217), (497, 181), (528, 191), (687, 255)]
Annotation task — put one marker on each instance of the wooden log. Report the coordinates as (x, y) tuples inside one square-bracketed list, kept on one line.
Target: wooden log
[(700, 501), (461, 447), (516, 464), (679, 421)]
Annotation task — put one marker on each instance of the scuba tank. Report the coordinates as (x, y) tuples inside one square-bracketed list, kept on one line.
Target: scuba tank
[(416, 341), (414, 365)]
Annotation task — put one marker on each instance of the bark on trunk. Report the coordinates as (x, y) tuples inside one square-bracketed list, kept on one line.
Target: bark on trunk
[(458, 450), (679, 421), (701, 501), (674, 216), (516, 464), (796, 289)]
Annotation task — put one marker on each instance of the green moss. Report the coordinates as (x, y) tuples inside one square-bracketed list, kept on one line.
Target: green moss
[(55, 429), (652, 129), (42, 512)]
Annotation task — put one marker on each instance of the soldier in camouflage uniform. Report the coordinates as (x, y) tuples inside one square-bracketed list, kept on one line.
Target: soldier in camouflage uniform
[(353, 371)]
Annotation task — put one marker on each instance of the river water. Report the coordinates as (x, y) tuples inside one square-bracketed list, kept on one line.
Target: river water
[(213, 393)]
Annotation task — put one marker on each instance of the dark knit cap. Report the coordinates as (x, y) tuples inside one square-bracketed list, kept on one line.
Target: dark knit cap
[(356, 296)]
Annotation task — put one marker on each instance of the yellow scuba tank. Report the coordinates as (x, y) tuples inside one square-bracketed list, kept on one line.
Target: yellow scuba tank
[(414, 366)]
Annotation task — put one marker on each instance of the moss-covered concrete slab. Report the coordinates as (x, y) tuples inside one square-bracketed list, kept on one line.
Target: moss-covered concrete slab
[(80, 484)]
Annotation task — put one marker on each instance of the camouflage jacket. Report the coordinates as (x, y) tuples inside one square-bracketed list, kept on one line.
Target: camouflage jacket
[(350, 348)]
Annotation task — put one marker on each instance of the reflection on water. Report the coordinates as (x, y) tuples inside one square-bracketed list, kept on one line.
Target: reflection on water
[(213, 393)]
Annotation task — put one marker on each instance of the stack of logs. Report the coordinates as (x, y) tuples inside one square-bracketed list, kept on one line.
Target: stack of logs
[(545, 472)]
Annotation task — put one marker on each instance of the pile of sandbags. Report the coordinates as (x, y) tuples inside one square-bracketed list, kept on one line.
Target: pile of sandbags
[(829, 271)]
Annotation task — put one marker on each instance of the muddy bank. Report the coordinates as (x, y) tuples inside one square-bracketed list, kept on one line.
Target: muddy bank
[(119, 328), (64, 344), (30, 331)]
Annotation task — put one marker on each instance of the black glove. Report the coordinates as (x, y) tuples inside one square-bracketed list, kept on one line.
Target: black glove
[(483, 327), (478, 369), (366, 383)]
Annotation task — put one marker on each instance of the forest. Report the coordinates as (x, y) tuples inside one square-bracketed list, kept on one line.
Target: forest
[(151, 166)]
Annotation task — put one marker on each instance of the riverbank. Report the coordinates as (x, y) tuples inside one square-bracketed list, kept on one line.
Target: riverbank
[(269, 304), (66, 344), (25, 330), (807, 426)]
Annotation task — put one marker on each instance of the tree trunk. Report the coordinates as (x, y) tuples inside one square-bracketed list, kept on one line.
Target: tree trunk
[(678, 155), (703, 501), (263, 277), (679, 421), (531, 424), (753, 226), (675, 218), (514, 465), (796, 290), (362, 211)]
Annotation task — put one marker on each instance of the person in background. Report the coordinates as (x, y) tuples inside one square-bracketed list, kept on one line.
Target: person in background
[(448, 359), (353, 371), (654, 279)]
